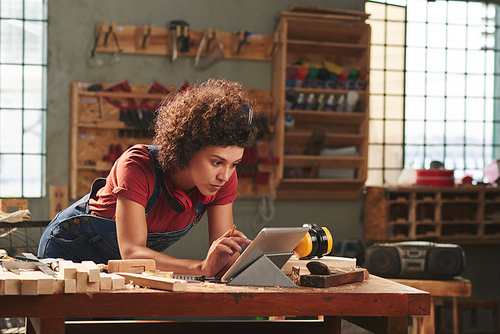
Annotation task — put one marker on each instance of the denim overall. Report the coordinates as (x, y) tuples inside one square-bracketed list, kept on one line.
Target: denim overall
[(74, 234)]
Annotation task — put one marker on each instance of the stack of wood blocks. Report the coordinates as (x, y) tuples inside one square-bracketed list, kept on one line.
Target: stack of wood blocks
[(71, 278)]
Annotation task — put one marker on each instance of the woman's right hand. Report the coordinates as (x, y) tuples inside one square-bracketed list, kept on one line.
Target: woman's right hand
[(221, 251)]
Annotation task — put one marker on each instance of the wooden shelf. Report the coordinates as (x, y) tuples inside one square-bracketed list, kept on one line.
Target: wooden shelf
[(317, 38), (448, 217)]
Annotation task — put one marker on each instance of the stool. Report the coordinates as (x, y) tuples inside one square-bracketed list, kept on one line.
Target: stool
[(464, 304)]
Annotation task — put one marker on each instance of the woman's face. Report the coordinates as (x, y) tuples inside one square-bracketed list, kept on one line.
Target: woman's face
[(212, 166)]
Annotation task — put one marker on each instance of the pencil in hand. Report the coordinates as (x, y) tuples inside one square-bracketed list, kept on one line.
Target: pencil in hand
[(232, 231)]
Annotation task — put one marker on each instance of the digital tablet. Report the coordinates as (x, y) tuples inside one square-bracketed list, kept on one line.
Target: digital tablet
[(270, 240)]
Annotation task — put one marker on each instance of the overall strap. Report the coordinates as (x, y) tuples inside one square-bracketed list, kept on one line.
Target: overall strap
[(153, 150)]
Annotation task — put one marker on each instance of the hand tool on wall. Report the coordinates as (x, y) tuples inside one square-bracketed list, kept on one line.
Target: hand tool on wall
[(179, 30), (242, 39)]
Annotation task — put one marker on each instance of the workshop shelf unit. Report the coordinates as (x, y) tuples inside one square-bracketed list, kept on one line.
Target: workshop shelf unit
[(465, 214), (341, 173), (98, 127)]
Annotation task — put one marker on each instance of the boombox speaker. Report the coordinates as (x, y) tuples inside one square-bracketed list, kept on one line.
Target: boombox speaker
[(415, 259)]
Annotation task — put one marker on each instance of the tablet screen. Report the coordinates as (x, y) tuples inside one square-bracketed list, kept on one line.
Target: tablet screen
[(270, 240)]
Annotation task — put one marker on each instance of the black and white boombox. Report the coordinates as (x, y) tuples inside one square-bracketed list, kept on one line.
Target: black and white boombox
[(415, 259)]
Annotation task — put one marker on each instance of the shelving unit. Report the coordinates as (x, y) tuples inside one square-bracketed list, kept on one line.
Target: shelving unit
[(96, 126), (469, 214), (316, 37)]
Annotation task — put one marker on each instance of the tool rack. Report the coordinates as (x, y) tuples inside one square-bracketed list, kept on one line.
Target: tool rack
[(96, 128)]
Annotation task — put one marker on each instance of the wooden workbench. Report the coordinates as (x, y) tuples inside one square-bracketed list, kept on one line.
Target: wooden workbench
[(376, 304), (458, 287)]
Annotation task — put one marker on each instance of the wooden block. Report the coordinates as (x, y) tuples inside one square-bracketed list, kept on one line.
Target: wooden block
[(29, 283), (93, 271), (131, 265), (117, 282), (45, 283), (82, 277), (334, 262), (12, 283), (337, 278), (155, 282), (67, 269), (58, 284), (70, 285), (2, 281), (58, 199), (106, 282), (94, 286)]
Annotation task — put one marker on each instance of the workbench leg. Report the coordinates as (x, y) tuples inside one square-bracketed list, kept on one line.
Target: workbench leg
[(457, 323), (332, 325), (425, 324), (45, 325)]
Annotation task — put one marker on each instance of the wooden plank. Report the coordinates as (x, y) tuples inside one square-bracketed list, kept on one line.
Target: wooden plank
[(131, 265), (82, 277), (458, 287), (69, 285), (155, 282), (337, 278), (12, 283), (334, 262), (67, 269), (29, 283), (106, 282), (93, 270), (117, 282), (58, 283), (20, 204), (45, 283)]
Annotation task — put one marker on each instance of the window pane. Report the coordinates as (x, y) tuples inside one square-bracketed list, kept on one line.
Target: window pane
[(455, 109), (378, 32), (376, 132), (11, 9), (34, 43), (11, 85), (455, 38), (393, 156), (415, 108), (35, 10), (377, 11), (377, 57), (376, 106), (377, 81), (11, 126), (10, 175), (433, 153), (415, 83), (457, 13), (474, 133), (435, 11), (395, 33), (455, 85), (416, 11), (395, 58), (436, 35), (414, 156), (414, 131), (434, 132), (414, 58), (436, 84), (474, 109), (32, 177), (475, 62), (374, 178), (375, 156), (11, 41), (394, 107), (393, 132), (394, 83), (435, 108), (455, 133), (395, 13), (33, 87), (33, 131), (414, 35), (436, 60)]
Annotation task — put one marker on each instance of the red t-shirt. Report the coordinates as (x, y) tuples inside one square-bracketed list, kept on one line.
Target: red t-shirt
[(132, 176)]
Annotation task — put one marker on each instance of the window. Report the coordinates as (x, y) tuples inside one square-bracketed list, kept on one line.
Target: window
[(432, 87), (23, 107)]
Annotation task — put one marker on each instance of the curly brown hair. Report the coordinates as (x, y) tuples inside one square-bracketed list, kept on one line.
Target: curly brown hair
[(213, 113)]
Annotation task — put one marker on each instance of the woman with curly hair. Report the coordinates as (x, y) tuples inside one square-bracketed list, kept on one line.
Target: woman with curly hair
[(154, 194)]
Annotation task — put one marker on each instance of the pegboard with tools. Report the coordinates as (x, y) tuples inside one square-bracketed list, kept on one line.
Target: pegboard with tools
[(108, 118)]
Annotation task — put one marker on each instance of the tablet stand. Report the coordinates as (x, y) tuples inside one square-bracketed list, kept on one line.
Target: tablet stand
[(265, 271)]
